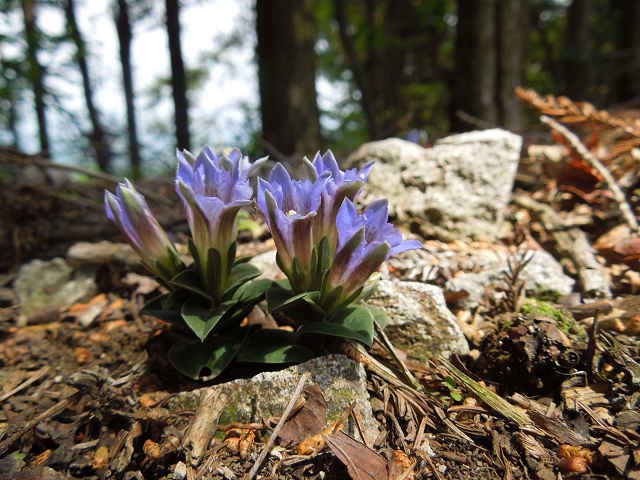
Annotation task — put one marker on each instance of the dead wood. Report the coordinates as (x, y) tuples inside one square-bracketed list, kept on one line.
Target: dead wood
[(573, 243)]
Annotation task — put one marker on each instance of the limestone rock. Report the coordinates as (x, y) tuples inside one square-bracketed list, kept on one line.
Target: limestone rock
[(419, 321), (458, 189), (97, 253), (42, 285), (542, 275), (342, 381), (266, 263)]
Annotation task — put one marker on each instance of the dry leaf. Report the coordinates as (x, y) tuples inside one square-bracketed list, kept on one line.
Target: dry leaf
[(101, 458), (82, 355), (308, 420), (315, 443), (362, 462)]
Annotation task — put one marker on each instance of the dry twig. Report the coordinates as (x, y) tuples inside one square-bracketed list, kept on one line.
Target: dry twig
[(294, 398), (591, 159)]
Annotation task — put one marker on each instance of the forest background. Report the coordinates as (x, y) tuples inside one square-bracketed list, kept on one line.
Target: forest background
[(116, 85)]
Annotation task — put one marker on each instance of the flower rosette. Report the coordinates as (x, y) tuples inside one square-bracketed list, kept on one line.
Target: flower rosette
[(327, 250)]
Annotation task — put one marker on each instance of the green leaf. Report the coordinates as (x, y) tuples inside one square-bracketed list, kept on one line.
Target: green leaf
[(190, 280), (241, 274), (214, 264), (190, 358), (379, 314), (252, 291), (354, 322), (156, 308), (273, 346), (231, 255), (202, 319), (280, 299)]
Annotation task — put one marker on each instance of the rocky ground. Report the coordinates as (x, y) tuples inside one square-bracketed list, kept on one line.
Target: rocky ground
[(516, 343)]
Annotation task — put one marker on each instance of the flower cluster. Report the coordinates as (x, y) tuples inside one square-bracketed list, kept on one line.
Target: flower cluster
[(325, 246), (323, 242)]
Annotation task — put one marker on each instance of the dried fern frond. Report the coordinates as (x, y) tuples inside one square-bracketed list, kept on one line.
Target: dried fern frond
[(568, 111)]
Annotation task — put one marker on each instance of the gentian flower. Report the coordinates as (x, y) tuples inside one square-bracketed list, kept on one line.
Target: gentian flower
[(129, 211), (289, 207), (340, 185), (213, 190), (364, 242)]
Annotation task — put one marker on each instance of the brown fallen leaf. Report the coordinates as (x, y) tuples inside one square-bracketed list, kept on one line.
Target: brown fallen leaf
[(308, 420), (399, 463), (82, 355), (362, 463), (312, 445), (101, 458), (152, 449)]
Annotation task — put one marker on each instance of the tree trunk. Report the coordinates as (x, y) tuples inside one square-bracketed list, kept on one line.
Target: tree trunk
[(123, 26), (577, 70), (36, 73), (628, 81), (98, 138), (512, 34), (361, 79), (178, 79), (286, 34), (475, 70)]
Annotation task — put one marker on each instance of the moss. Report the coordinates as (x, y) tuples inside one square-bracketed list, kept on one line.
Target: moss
[(338, 400), (563, 319)]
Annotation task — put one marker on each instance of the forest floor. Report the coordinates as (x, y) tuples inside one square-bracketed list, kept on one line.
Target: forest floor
[(543, 394)]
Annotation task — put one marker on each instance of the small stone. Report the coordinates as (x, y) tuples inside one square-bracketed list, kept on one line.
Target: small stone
[(419, 321), (180, 471), (50, 284)]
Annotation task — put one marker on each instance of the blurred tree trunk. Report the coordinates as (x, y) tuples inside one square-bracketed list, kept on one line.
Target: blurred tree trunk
[(286, 34), (578, 49), (474, 85), (123, 25), (512, 35), (178, 79), (36, 73), (628, 81), (360, 76), (99, 140)]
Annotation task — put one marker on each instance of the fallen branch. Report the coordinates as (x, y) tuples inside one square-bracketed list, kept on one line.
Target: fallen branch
[(204, 424), (591, 159), (573, 243)]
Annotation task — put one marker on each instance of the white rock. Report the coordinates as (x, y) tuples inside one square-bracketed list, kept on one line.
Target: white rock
[(419, 321), (457, 189)]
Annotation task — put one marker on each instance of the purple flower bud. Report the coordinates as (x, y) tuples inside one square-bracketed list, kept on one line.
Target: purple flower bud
[(213, 190), (129, 211), (340, 185), (364, 242), (289, 207)]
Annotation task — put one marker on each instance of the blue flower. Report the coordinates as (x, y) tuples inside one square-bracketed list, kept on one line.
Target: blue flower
[(129, 211), (364, 242), (340, 185), (289, 207), (213, 189)]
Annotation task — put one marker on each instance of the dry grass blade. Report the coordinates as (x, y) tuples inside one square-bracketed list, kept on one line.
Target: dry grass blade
[(493, 400)]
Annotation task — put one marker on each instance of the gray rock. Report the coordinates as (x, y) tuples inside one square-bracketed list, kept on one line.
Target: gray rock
[(419, 321), (458, 189), (542, 275), (43, 285), (97, 253), (266, 263), (342, 381)]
